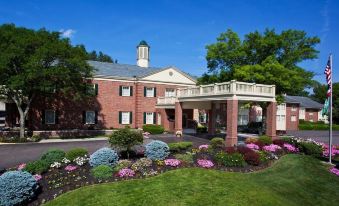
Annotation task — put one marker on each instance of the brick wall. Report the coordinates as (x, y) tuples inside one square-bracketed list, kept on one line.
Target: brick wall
[(107, 103), (311, 115), (292, 125)]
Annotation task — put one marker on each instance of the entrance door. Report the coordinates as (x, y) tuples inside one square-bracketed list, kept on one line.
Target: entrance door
[(184, 120)]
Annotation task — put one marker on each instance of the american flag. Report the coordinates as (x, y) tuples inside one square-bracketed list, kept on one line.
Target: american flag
[(328, 73)]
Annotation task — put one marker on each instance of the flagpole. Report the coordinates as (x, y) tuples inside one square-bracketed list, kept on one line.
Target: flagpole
[(330, 106)]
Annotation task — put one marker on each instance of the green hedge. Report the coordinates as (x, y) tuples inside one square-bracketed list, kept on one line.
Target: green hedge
[(304, 125), (153, 129), (179, 146)]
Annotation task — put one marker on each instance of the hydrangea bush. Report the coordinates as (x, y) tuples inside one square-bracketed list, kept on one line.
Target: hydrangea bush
[(157, 150), (290, 148), (205, 163), (104, 156), (17, 187), (172, 162), (272, 148)]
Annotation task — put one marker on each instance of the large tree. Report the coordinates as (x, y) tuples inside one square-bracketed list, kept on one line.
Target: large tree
[(267, 58), (34, 62), (319, 94), (101, 57)]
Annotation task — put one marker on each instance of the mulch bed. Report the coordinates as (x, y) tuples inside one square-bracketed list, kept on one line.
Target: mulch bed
[(58, 181)]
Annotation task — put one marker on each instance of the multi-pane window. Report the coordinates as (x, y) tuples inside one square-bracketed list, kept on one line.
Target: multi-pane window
[(170, 92), (293, 118), (90, 117), (294, 108), (125, 91), (125, 118), (92, 89), (311, 113), (242, 119), (149, 92), (149, 118), (50, 117)]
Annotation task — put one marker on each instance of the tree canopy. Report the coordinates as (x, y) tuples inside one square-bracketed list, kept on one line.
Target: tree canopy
[(267, 58), (101, 57), (36, 62)]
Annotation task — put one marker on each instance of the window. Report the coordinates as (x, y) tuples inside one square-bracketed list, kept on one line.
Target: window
[(90, 117), (242, 119), (50, 117), (92, 89), (170, 92), (202, 118), (294, 108), (126, 91), (149, 92), (149, 118), (126, 118), (311, 113), (293, 118)]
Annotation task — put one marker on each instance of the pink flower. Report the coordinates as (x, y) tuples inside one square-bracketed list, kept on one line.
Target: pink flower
[(203, 146), (252, 146), (272, 148), (290, 148), (37, 177), (70, 168), (172, 162), (22, 166), (205, 163), (126, 173), (326, 151), (334, 171)]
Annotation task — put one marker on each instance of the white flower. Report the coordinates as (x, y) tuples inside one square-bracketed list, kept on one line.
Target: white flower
[(81, 160), (56, 165), (65, 160)]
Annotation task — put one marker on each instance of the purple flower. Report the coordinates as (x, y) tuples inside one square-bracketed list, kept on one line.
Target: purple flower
[(272, 148), (126, 173), (290, 148), (70, 168), (252, 146), (21, 166), (172, 162), (205, 163), (203, 146), (37, 177), (334, 171)]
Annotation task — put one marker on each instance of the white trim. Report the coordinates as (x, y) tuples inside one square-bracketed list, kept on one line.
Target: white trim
[(140, 81), (122, 118)]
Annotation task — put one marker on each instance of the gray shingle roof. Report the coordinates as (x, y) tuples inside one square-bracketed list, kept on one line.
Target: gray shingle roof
[(303, 101), (121, 70)]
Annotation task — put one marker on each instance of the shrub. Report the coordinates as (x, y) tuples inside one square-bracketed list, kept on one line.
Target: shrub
[(230, 160), (102, 172), (265, 139), (244, 150), (17, 188), (217, 142), (178, 146), (188, 157), (126, 173), (126, 139), (172, 162), (201, 129), (260, 144), (76, 152), (279, 142), (230, 150), (252, 158), (104, 156), (37, 167), (263, 156), (53, 155), (122, 164), (311, 148), (272, 148), (250, 140), (157, 150), (205, 163), (141, 164), (153, 129)]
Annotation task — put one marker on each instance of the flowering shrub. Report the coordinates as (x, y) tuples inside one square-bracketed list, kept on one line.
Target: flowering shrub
[(326, 150), (205, 163), (230, 160), (76, 152), (126, 173), (21, 166), (334, 171), (141, 164), (290, 148), (17, 188), (65, 160), (203, 147), (37, 177), (56, 165), (271, 148), (104, 156), (53, 155), (252, 146), (70, 168), (81, 160), (172, 162), (157, 150)]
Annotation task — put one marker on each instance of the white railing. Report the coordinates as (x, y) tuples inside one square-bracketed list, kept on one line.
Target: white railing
[(166, 100), (232, 87)]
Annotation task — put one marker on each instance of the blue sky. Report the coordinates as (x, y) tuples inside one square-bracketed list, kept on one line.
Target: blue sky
[(177, 31)]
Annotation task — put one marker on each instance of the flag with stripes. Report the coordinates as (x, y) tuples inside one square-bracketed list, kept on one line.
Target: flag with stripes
[(328, 74)]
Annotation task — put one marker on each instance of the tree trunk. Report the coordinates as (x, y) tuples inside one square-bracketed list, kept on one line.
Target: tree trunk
[(22, 124), (23, 113)]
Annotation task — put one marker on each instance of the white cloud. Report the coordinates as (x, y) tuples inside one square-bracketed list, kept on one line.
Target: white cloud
[(67, 33)]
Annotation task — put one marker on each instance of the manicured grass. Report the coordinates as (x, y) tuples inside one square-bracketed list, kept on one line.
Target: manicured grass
[(293, 180)]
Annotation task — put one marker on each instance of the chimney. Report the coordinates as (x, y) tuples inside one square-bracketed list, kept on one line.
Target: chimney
[(143, 54)]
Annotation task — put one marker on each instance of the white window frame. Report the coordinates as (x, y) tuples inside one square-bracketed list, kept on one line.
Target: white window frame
[(49, 111), (86, 118), (150, 92), (125, 118), (126, 91), (294, 108), (149, 118), (293, 118), (170, 92), (310, 114)]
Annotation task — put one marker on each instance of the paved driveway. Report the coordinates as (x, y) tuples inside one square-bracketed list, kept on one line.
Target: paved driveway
[(321, 136)]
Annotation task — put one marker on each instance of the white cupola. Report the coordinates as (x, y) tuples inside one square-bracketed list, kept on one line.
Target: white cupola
[(143, 54)]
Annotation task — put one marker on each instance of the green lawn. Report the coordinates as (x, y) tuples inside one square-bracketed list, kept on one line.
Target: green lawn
[(293, 180)]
